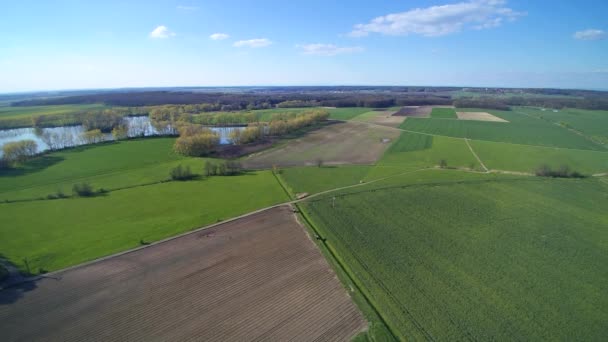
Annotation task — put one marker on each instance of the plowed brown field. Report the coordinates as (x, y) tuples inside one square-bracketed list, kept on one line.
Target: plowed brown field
[(256, 278)]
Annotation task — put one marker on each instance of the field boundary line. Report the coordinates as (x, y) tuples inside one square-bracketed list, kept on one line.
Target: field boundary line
[(476, 156), (337, 261)]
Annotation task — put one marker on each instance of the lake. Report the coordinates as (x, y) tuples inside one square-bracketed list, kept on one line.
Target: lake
[(70, 136)]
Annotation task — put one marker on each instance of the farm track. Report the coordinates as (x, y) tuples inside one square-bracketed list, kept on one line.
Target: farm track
[(476, 156), (254, 278)]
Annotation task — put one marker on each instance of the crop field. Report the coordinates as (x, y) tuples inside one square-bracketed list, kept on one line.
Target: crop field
[(414, 111), (11, 117), (256, 278), (346, 113), (381, 117), (591, 123), (492, 258), (519, 130), (443, 113), (479, 116), (504, 156), (420, 150), (314, 179), (335, 144)]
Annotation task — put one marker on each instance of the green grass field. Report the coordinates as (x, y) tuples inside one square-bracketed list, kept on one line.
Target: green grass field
[(443, 113), (53, 234), (483, 259), (419, 150), (13, 117), (520, 129), (505, 156), (109, 166), (346, 113), (314, 179)]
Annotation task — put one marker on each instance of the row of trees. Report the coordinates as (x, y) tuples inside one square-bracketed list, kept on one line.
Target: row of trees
[(210, 168), (504, 103), (562, 172), (278, 127)]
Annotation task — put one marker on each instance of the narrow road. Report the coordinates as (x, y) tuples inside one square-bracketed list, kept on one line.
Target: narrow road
[(476, 156)]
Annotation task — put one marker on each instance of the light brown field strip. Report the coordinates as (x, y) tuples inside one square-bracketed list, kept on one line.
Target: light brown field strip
[(256, 278), (479, 116)]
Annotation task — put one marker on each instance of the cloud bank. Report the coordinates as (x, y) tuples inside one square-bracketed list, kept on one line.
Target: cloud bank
[(328, 49), (440, 20), (219, 36), (253, 43), (161, 32), (590, 34)]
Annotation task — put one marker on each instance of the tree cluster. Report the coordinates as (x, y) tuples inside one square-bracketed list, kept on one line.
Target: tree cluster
[(103, 120), (563, 172), (225, 168), (18, 151), (181, 173), (196, 141), (278, 127)]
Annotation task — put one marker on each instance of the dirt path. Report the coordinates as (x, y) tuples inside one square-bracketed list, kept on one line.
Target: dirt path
[(476, 156)]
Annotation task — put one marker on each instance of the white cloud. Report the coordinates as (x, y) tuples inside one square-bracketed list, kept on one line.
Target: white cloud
[(161, 32), (219, 36), (440, 20), (328, 49), (187, 8), (590, 34), (254, 43)]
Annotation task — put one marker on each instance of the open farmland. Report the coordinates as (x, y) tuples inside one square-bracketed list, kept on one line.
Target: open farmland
[(591, 123), (443, 113), (432, 258), (414, 111), (520, 129), (413, 150), (112, 165), (346, 113), (381, 117), (479, 116), (335, 144), (256, 278), (524, 158), (12, 117)]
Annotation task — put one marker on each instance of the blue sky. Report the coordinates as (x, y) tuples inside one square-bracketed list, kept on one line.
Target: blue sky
[(48, 45)]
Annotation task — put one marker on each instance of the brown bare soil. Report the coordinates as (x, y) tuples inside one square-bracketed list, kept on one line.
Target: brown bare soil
[(256, 278), (415, 111), (335, 144), (479, 116)]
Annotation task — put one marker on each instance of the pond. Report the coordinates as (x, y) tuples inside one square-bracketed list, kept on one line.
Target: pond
[(69, 136)]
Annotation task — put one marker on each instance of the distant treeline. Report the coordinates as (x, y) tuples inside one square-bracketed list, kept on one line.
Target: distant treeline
[(595, 103), (378, 97), (241, 101)]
